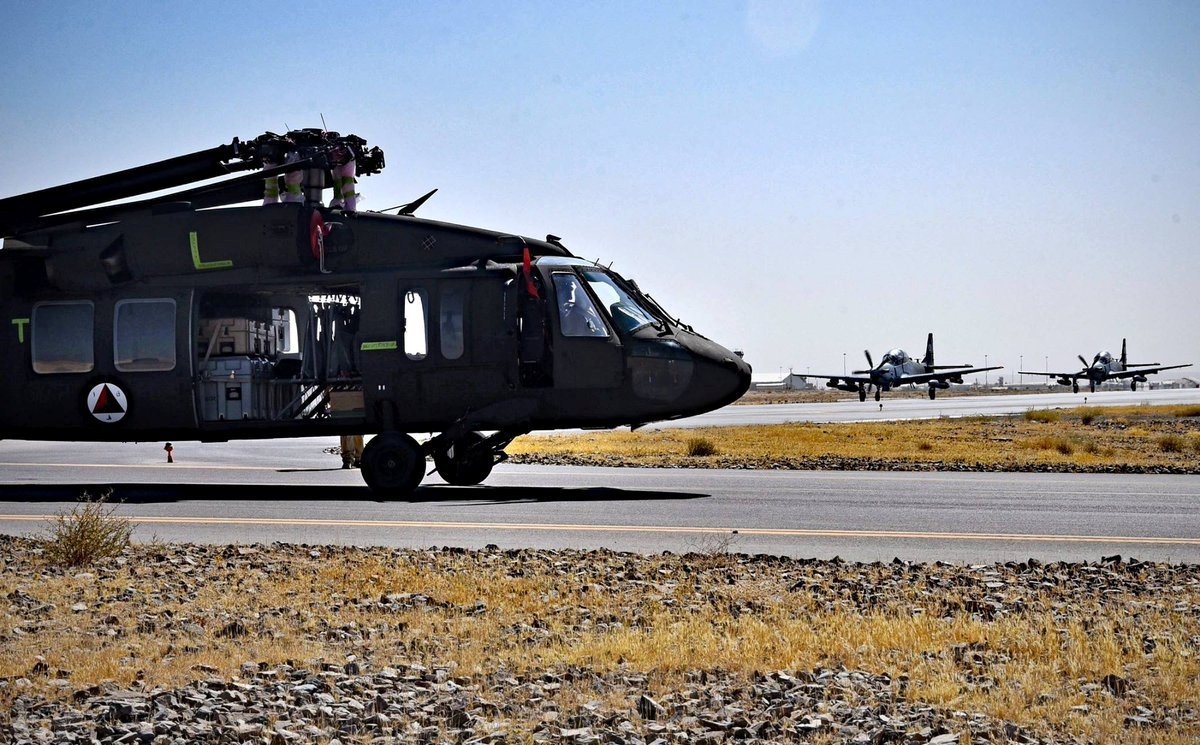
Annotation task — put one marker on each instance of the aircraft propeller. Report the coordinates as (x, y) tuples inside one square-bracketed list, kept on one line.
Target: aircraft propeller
[(1084, 360), (870, 362)]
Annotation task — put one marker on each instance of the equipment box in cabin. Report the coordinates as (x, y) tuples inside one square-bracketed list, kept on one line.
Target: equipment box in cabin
[(236, 388), (236, 336)]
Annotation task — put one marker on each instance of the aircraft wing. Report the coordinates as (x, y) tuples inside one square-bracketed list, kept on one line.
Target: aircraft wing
[(942, 376), (1129, 373), (1072, 375), (835, 379)]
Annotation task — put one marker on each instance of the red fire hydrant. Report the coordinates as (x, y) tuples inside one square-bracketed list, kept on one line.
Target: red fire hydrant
[(168, 448)]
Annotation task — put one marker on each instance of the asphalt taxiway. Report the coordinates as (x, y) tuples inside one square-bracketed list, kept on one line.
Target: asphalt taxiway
[(853, 410), (293, 491)]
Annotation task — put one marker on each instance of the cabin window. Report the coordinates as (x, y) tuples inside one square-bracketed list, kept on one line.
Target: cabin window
[(62, 337), (415, 347), (144, 335), (452, 309), (577, 315)]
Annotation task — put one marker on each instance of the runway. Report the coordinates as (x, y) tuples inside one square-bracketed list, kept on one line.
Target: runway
[(289, 490), (853, 410)]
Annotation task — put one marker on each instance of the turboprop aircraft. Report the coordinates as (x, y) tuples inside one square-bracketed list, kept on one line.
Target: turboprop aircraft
[(183, 317), (896, 369), (1106, 367)]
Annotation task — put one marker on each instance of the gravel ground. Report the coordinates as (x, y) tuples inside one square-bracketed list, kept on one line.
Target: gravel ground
[(356, 692)]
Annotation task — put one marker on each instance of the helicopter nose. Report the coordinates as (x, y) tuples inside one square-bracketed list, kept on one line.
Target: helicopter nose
[(720, 377)]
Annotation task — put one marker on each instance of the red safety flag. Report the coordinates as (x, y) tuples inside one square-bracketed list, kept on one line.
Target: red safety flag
[(528, 270)]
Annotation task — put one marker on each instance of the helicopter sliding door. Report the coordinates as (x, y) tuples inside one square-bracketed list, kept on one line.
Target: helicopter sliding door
[(434, 350), (587, 353)]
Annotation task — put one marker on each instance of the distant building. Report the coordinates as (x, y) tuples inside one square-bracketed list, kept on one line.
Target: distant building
[(779, 381)]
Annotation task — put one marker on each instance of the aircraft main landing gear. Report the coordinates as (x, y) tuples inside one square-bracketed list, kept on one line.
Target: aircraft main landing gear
[(392, 464), (1074, 387), (466, 461), (876, 394), (862, 394), (1133, 385), (932, 393)]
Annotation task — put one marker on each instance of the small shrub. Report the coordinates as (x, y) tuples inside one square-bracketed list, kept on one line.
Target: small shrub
[(1189, 411), (88, 533), (1087, 416), (1171, 443), (700, 446), (924, 446), (1043, 416)]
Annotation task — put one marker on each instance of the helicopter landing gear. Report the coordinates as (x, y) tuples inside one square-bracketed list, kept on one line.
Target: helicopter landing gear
[(466, 461), (392, 464), (862, 393)]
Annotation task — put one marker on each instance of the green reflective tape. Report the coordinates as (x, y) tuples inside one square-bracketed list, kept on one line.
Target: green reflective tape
[(20, 323), (194, 240), (375, 346)]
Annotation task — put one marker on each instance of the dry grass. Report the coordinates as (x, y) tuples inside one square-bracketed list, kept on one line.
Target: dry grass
[(478, 619), (1122, 437)]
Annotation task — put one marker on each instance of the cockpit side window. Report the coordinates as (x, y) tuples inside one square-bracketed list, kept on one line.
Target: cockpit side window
[(577, 314), (624, 311)]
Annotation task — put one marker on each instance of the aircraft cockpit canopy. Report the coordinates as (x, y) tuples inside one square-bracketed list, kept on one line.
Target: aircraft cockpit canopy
[(1105, 357), (580, 316), (896, 357)]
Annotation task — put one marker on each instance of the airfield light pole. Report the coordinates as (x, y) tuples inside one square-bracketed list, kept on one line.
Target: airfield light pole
[(843, 363), (1021, 378), (985, 372)]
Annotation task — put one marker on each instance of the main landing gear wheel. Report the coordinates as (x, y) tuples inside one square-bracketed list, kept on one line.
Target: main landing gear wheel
[(463, 462), (862, 395), (1074, 388), (932, 393), (392, 464), (876, 394), (1133, 385)]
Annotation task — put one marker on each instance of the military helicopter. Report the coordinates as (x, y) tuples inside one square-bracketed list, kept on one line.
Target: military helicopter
[(194, 316)]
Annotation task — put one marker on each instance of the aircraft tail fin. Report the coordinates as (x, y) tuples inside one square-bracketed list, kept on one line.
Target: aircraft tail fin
[(928, 361), (1124, 356)]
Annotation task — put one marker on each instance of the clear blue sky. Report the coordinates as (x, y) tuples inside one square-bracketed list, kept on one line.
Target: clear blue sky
[(797, 179)]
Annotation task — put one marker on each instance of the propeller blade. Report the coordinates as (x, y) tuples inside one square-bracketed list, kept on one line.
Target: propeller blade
[(870, 362), (1083, 360)]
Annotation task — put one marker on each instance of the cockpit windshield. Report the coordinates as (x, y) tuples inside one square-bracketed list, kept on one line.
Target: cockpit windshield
[(626, 314), (896, 357)]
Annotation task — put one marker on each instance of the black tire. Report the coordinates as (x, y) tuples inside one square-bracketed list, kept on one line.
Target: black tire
[(392, 464), (1074, 388), (932, 393), (469, 465), (862, 395), (1133, 385), (876, 394)]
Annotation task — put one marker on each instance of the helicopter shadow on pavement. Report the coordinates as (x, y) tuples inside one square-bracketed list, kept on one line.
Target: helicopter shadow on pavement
[(119, 493)]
